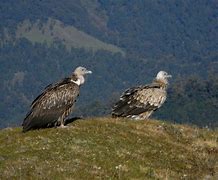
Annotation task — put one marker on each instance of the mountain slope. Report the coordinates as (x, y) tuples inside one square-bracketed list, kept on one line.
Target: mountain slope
[(71, 37), (110, 148)]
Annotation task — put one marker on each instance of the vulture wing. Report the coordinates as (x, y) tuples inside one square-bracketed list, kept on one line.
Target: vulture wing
[(135, 101), (51, 104)]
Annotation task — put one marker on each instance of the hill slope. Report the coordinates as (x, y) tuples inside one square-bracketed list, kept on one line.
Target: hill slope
[(53, 30), (108, 148)]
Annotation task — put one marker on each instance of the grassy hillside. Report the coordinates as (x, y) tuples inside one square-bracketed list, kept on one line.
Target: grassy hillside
[(70, 36), (104, 148)]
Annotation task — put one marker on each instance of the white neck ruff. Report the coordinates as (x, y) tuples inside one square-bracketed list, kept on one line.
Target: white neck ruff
[(79, 81)]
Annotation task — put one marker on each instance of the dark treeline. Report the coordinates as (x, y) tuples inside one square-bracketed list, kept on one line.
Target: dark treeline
[(192, 100)]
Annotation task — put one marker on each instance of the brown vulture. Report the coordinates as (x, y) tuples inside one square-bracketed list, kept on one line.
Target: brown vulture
[(55, 103)]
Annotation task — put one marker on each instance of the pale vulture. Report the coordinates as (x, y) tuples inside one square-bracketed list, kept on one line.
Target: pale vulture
[(140, 102)]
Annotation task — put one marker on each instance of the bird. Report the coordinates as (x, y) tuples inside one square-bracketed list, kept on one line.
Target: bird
[(56, 102), (140, 102)]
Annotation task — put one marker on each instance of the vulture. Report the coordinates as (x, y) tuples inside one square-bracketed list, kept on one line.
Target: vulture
[(140, 102), (55, 103)]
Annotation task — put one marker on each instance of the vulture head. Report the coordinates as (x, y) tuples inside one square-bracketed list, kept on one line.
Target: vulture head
[(80, 72), (163, 76)]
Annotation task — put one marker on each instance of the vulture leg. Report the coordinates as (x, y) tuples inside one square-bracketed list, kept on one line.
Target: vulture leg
[(62, 118), (62, 124), (61, 121)]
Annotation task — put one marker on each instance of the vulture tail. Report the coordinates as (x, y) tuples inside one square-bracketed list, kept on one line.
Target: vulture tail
[(36, 122), (120, 108)]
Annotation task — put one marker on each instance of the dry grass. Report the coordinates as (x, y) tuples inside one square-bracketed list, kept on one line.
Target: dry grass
[(105, 148)]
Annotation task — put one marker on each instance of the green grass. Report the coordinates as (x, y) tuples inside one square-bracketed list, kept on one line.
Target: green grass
[(70, 36), (105, 148)]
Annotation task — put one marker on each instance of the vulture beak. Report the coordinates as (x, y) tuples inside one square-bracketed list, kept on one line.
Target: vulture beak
[(169, 76), (88, 72)]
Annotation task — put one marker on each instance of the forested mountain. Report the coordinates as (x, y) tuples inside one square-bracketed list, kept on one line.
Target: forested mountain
[(124, 43)]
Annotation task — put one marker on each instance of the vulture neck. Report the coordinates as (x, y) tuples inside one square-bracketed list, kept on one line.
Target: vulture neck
[(163, 83), (78, 79), (81, 79)]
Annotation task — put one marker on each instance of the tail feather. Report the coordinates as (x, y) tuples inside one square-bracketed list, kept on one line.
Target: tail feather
[(36, 122), (128, 106), (121, 107)]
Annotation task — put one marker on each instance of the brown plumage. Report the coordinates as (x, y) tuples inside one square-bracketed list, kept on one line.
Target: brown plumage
[(55, 103), (140, 102)]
